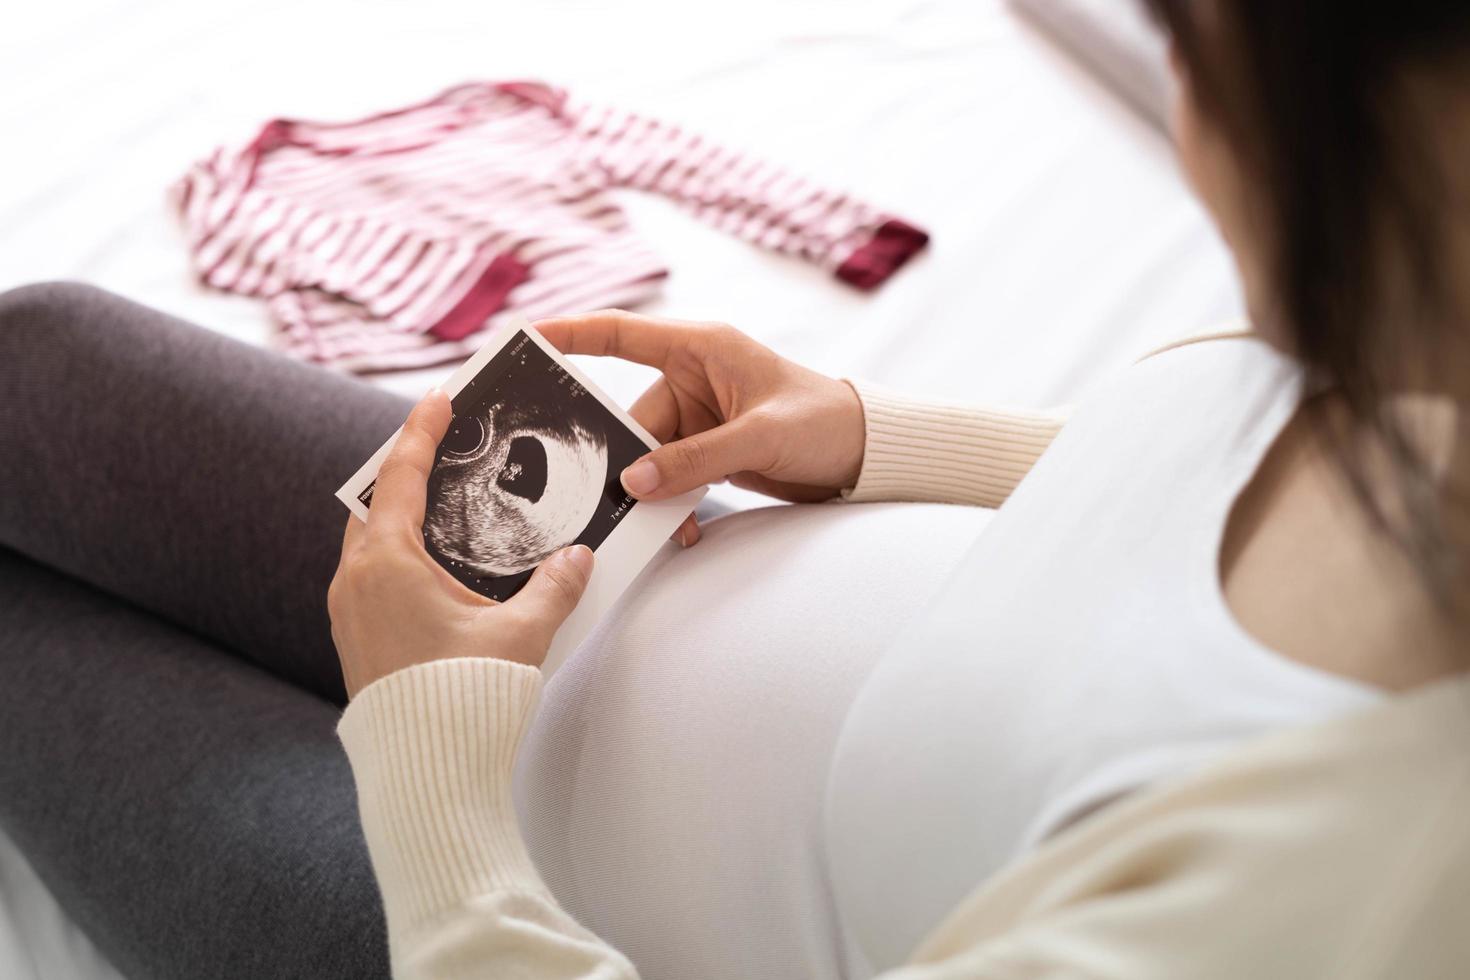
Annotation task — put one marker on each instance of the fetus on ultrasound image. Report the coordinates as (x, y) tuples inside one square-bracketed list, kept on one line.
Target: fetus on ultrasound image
[(530, 465)]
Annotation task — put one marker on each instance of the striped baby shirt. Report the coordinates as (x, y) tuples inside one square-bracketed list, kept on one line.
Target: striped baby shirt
[(398, 240)]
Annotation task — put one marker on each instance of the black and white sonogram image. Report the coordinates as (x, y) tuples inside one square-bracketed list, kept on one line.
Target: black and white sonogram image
[(530, 465)]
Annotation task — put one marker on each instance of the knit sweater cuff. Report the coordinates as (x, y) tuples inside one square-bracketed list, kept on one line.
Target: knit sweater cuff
[(432, 749), (945, 453)]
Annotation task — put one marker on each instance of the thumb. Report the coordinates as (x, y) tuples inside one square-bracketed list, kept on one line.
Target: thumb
[(555, 588), (706, 457)]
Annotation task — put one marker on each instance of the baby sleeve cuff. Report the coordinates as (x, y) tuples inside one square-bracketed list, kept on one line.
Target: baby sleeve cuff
[(891, 245)]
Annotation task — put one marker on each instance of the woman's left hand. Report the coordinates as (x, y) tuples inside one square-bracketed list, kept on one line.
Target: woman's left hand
[(393, 606)]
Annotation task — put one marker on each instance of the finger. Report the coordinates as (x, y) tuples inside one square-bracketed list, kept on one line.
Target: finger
[(703, 458), (687, 533), (401, 490), (555, 588), (616, 333), (657, 411)]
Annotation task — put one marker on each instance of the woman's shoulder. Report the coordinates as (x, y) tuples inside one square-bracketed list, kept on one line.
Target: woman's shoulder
[(1311, 575)]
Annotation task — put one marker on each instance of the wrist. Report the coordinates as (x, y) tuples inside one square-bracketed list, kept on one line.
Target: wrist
[(854, 435)]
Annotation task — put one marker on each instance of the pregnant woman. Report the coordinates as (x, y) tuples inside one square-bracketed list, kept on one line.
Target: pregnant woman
[(1173, 684)]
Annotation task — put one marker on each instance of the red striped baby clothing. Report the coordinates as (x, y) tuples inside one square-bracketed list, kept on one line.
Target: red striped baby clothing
[(394, 241)]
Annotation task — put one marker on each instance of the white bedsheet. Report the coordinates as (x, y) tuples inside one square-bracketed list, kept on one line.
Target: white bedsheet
[(1064, 244)]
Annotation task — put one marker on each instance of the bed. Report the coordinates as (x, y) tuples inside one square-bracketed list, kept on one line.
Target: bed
[(1064, 244)]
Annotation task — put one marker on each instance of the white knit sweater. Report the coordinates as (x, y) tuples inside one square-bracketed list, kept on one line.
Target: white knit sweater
[(1262, 866)]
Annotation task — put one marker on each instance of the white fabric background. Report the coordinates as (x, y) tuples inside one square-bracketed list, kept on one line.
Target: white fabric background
[(1064, 244)]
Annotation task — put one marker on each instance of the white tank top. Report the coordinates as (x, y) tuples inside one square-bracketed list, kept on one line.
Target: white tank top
[(1081, 650)]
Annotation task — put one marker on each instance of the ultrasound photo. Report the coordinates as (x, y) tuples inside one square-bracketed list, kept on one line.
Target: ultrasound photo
[(530, 465)]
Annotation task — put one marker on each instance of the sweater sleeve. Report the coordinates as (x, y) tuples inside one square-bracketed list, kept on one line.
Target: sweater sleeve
[(746, 196), (432, 749), (922, 450)]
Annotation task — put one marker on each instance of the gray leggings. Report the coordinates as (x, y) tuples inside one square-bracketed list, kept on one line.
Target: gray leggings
[(168, 686)]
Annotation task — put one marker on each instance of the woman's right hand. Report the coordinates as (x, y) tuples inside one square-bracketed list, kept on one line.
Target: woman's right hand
[(726, 408)]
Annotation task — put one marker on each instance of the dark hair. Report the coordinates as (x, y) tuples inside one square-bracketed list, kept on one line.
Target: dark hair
[(1313, 98)]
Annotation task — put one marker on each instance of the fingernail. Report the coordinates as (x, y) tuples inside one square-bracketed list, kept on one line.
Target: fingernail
[(640, 478), (581, 558)]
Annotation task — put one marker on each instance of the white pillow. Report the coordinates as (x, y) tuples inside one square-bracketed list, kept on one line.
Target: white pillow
[(1117, 42)]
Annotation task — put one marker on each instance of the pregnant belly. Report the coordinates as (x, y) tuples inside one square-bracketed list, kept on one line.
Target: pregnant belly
[(671, 786)]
